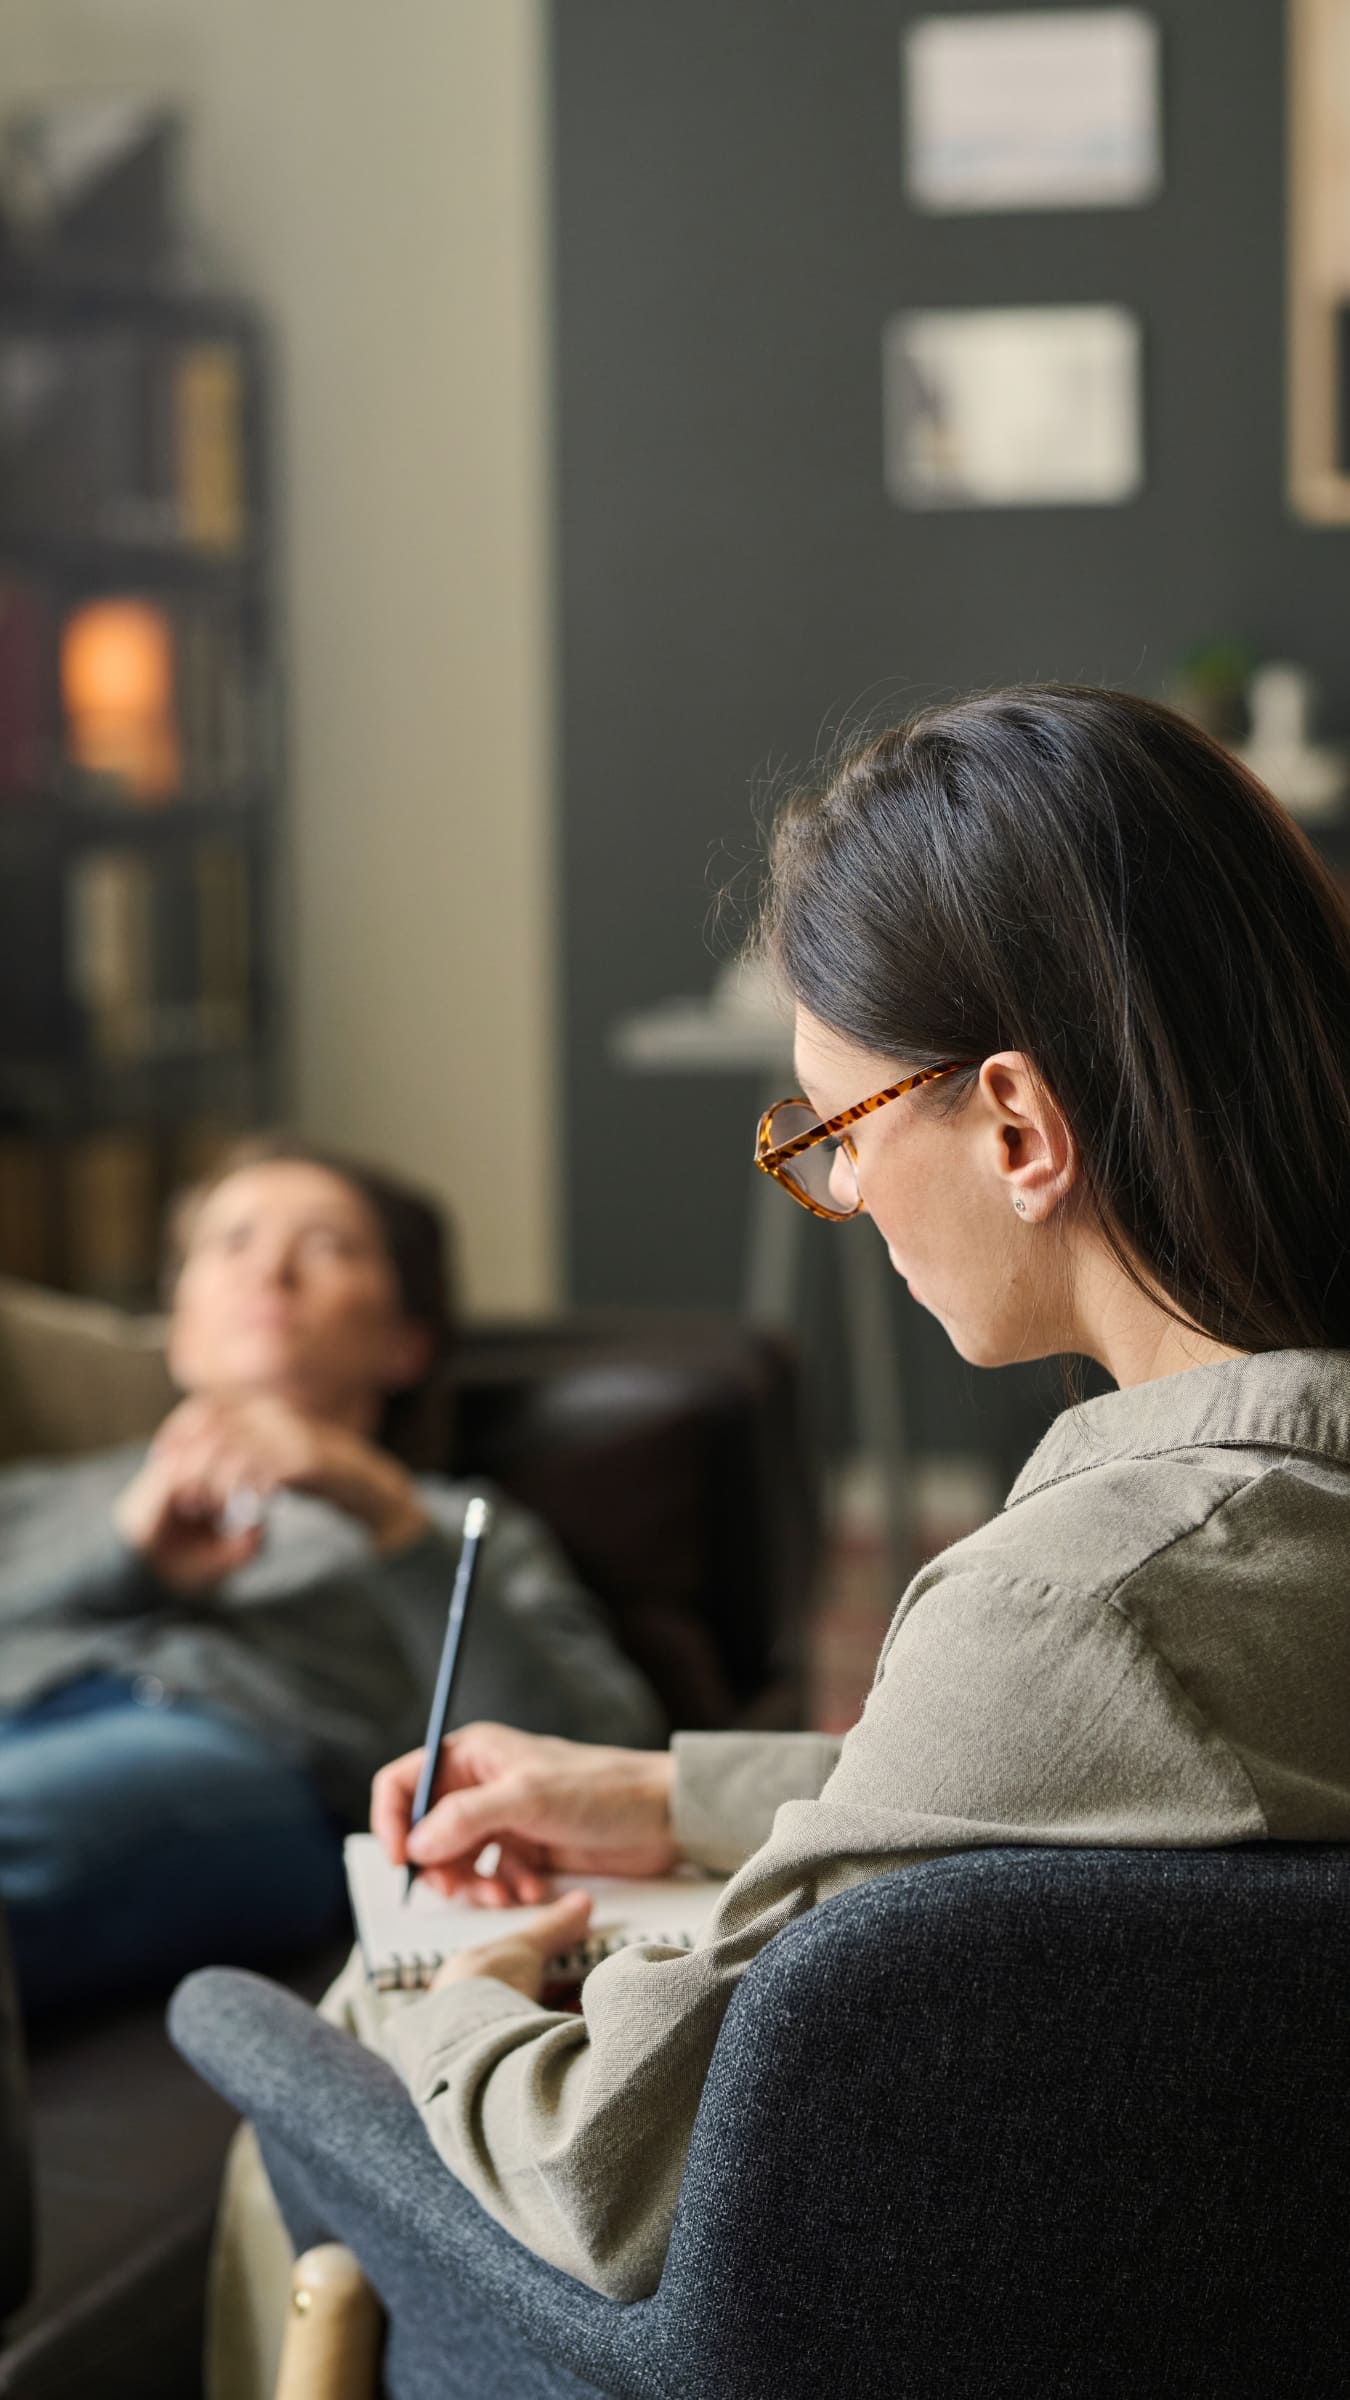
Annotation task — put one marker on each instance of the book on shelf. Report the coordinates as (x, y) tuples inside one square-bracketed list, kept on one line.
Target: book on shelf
[(172, 997), (159, 952), (111, 1215), (28, 1216), (82, 1212), (33, 1004), (86, 1212), (126, 491), (108, 951), (212, 695), (26, 635), (209, 446), (122, 435), (224, 961)]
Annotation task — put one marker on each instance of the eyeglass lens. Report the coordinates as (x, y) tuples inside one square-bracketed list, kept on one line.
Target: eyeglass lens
[(824, 1173)]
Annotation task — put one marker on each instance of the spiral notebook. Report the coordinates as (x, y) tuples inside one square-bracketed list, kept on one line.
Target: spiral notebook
[(404, 1941)]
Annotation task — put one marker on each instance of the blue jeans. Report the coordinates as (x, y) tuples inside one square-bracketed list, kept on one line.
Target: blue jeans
[(141, 1836)]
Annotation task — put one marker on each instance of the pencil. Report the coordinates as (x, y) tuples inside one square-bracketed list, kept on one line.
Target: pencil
[(477, 1524)]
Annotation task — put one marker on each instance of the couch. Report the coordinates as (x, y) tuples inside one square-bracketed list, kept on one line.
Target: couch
[(668, 1456)]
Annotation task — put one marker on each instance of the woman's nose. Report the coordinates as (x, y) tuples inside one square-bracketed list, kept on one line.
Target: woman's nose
[(279, 1266)]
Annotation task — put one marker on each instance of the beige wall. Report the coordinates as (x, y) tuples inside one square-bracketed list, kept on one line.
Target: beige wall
[(375, 176)]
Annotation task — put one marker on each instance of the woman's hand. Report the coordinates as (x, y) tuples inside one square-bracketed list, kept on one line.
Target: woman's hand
[(552, 1807), (173, 1520), (209, 1452), (520, 1959)]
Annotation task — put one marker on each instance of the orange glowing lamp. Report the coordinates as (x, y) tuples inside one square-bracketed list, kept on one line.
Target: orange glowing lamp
[(117, 694)]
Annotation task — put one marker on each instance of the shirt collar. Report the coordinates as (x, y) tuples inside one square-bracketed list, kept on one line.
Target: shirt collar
[(1274, 1400)]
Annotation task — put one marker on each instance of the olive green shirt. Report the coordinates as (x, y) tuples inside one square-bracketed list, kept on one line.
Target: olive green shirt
[(1150, 1644)]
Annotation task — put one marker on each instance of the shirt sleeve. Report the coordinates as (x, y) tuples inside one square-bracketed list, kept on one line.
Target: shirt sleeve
[(730, 1786), (110, 1582), (1003, 1712), (61, 1555)]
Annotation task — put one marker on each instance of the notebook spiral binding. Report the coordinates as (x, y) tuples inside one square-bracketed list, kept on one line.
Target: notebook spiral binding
[(412, 1971)]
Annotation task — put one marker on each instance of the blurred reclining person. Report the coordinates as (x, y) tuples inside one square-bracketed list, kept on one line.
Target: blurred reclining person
[(207, 1647)]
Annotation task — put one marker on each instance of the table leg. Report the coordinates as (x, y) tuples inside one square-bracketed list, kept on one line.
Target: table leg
[(876, 1384), (773, 1251)]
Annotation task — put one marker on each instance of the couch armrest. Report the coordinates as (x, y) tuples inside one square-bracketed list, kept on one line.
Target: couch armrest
[(16, 2161), (75, 1375), (668, 1454)]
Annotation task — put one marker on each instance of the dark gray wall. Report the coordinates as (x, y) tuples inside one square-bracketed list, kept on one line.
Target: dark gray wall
[(730, 237)]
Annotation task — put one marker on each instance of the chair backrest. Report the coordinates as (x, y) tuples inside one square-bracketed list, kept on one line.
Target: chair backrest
[(1033, 2122)]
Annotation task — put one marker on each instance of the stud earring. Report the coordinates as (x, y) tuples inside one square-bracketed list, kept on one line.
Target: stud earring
[(1021, 1207)]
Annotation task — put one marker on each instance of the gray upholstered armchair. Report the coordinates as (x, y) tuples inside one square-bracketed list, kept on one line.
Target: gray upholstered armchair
[(1019, 2125)]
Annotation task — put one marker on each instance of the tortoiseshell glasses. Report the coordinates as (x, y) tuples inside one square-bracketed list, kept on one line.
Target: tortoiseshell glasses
[(817, 1163)]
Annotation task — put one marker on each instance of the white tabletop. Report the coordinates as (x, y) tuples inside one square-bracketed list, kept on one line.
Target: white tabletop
[(698, 1037)]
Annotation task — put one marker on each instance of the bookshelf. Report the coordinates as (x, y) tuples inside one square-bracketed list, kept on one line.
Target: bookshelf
[(139, 1000)]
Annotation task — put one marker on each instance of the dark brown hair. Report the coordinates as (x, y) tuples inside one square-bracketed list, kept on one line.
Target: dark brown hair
[(415, 1422), (1084, 876)]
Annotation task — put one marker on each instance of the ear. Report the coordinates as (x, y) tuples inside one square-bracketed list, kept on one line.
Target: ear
[(409, 1351), (1034, 1156)]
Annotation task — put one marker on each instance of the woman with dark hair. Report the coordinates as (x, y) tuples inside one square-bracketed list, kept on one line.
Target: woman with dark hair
[(207, 1647), (1073, 1032)]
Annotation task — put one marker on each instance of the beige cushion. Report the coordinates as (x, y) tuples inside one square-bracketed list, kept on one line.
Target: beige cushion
[(75, 1375)]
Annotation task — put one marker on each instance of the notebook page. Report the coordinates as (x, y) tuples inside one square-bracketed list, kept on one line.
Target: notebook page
[(404, 1941)]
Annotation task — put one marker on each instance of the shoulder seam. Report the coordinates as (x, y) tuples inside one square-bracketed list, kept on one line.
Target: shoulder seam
[(1113, 1599), (1116, 1600), (1127, 1458)]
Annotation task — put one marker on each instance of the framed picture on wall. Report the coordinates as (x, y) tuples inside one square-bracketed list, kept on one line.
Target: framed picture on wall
[(1012, 407), (1031, 108), (1319, 260)]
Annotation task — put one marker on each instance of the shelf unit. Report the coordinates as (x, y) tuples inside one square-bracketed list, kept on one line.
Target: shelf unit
[(140, 994)]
